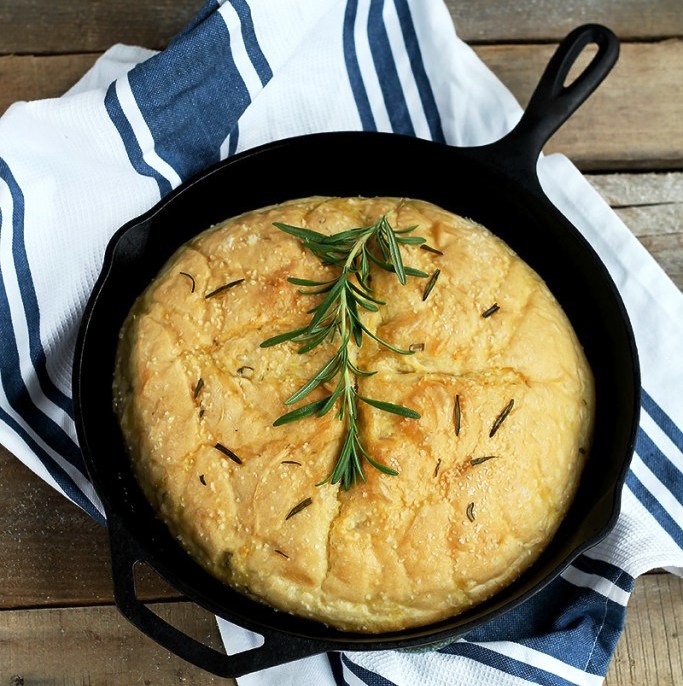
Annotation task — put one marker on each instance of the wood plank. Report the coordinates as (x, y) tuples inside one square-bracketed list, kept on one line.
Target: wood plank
[(52, 553), (668, 251), (33, 78), (43, 26), (96, 645), (651, 205), (639, 190), (651, 648), (47, 27), (633, 121), (492, 20)]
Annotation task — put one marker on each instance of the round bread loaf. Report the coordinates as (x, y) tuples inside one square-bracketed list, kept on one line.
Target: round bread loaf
[(469, 511)]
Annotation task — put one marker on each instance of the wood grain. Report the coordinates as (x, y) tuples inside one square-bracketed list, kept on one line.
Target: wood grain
[(651, 205), (537, 20), (633, 121), (651, 648), (52, 553), (44, 26), (32, 78), (668, 251), (639, 190), (48, 27), (96, 645)]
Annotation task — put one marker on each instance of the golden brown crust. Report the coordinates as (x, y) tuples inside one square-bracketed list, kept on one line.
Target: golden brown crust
[(446, 533)]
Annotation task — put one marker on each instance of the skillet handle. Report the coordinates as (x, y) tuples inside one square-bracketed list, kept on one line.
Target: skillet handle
[(552, 103), (277, 648)]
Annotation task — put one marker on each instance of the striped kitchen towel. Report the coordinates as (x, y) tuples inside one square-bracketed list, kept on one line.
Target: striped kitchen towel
[(245, 72)]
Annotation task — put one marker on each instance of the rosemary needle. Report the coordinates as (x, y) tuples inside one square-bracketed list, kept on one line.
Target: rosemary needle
[(457, 415), (297, 508), (430, 284), (227, 452), (491, 310), (189, 276), (501, 418), (198, 388), (429, 248), (470, 512), (480, 460), (337, 316), (221, 289)]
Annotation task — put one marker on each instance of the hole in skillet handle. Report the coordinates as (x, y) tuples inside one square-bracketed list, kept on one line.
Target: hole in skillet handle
[(552, 103), (277, 648)]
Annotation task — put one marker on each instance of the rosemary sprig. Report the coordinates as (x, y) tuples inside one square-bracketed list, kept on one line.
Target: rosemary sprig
[(338, 316)]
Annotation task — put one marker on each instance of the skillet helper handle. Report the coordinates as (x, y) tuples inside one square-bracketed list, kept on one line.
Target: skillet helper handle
[(552, 103), (277, 648)]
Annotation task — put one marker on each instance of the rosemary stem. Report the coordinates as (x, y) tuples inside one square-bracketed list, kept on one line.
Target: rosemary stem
[(359, 245), (339, 313)]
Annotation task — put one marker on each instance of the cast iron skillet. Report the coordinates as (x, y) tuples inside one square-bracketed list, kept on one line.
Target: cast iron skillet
[(494, 184)]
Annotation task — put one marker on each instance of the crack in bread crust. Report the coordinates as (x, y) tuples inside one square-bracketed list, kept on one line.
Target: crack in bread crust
[(397, 551)]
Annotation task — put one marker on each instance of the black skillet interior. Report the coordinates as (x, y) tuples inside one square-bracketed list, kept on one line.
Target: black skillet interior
[(495, 185)]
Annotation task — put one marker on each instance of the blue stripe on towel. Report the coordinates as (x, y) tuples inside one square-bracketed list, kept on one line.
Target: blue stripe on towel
[(17, 393), (606, 570), (424, 87), (258, 59), (659, 464), (562, 620), (191, 95), (392, 92), (365, 675), (64, 481), (18, 396), (505, 664), (360, 95), (28, 295), (655, 508), (337, 669), (665, 423), (130, 142)]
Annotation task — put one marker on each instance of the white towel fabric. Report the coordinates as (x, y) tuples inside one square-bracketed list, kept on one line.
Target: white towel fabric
[(245, 72)]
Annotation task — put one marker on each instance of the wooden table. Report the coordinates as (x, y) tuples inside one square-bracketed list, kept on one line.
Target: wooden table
[(57, 621)]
